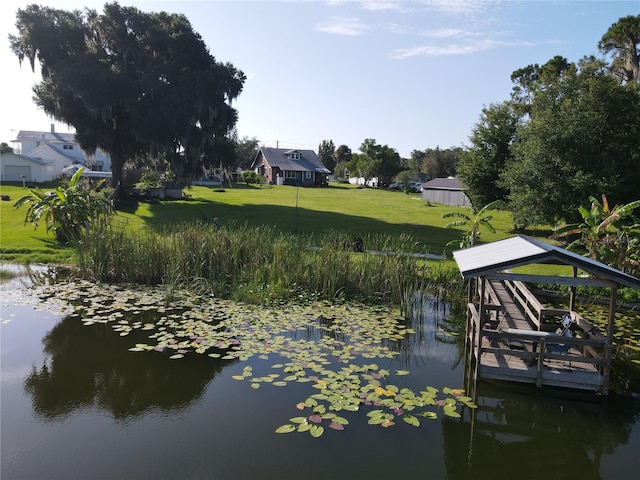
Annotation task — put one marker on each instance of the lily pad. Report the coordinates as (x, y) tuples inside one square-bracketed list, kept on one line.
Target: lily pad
[(286, 428), (311, 340), (411, 420)]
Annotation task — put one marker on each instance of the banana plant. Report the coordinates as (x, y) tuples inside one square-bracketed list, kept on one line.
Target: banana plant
[(610, 235), (67, 209), (476, 220)]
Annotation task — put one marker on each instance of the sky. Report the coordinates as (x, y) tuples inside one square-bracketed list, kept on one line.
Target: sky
[(410, 74)]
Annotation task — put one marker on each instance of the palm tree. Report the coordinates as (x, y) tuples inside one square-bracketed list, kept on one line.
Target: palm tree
[(477, 219), (67, 209)]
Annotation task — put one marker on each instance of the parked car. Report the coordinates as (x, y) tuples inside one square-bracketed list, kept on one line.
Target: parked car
[(412, 186), (415, 187)]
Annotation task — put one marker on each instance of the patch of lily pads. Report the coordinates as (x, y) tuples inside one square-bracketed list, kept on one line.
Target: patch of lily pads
[(626, 335), (331, 348)]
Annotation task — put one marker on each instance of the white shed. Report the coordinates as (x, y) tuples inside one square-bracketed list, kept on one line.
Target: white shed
[(448, 191)]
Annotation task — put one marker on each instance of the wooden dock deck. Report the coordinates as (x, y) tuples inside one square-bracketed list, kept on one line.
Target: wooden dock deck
[(511, 336), (516, 341)]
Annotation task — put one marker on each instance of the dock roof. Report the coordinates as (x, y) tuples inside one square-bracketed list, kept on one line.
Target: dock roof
[(522, 250)]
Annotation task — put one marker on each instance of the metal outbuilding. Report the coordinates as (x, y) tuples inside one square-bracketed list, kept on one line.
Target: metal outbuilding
[(447, 191)]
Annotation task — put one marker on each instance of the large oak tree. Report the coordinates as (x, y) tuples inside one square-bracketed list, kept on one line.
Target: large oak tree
[(131, 83)]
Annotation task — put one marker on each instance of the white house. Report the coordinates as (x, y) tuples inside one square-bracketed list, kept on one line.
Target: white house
[(59, 151)]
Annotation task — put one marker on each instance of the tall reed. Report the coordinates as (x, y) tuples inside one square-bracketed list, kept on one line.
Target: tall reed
[(257, 264)]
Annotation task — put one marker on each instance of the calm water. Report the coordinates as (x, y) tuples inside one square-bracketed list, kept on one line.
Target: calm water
[(76, 404)]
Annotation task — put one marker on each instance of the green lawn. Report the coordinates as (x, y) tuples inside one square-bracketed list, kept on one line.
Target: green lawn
[(22, 243), (339, 207)]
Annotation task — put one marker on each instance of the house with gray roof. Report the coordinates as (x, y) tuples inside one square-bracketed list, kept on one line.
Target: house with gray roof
[(448, 191), (281, 166)]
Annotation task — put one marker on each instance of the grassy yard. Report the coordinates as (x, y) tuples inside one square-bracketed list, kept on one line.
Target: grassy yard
[(22, 243), (339, 207)]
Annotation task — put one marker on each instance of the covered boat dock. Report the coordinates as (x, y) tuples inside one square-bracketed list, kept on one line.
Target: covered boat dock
[(511, 336)]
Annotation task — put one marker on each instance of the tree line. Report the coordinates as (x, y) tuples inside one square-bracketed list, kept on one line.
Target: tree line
[(569, 131), (385, 164), (144, 88)]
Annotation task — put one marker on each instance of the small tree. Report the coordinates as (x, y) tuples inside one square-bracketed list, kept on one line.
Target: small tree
[(342, 158), (68, 209), (477, 219), (249, 177), (376, 160), (326, 153)]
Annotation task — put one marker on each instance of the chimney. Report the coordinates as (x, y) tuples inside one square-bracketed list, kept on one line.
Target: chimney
[(53, 128)]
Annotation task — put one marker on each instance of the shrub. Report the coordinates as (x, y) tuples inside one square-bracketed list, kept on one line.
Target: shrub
[(68, 209), (249, 176)]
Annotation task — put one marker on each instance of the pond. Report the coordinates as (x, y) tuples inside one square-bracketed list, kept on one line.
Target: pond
[(89, 397)]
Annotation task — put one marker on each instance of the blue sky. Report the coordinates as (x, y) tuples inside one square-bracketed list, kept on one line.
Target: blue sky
[(412, 75)]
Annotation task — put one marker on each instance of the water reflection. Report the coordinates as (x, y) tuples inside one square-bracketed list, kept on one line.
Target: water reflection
[(180, 419), (516, 432), (89, 366)]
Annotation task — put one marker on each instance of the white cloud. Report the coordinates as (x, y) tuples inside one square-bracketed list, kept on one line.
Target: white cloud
[(469, 47), (459, 7), (378, 5), (398, 29), (456, 7), (342, 26), (445, 33)]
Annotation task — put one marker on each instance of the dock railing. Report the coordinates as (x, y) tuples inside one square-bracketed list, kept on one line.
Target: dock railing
[(535, 347), (531, 306)]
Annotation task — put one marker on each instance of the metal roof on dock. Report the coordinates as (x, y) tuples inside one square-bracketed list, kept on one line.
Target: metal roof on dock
[(522, 250)]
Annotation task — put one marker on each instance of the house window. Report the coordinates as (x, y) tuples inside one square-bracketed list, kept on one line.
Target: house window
[(67, 147), (294, 155), (307, 175), (289, 174)]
